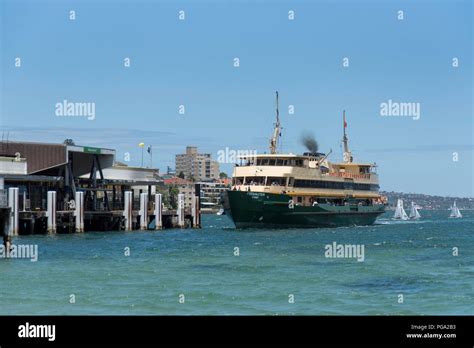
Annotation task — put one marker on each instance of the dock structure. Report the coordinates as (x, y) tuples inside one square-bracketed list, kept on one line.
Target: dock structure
[(64, 188)]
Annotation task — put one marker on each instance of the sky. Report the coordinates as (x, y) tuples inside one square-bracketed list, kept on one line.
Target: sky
[(191, 62)]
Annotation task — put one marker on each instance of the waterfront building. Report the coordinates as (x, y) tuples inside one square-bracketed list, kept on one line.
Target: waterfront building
[(66, 168), (197, 166), (65, 188)]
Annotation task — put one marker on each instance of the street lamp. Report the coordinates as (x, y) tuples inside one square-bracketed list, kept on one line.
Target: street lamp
[(142, 145)]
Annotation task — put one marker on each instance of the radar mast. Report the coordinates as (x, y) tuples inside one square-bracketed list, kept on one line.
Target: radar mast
[(347, 155), (276, 130)]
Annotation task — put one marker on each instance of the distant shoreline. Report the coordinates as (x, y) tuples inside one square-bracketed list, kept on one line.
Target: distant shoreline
[(429, 202)]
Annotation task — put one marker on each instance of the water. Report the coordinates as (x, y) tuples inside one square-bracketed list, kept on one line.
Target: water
[(409, 258)]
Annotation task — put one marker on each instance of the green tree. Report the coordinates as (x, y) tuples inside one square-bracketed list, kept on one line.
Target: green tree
[(181, 175), (223, 175), (173, 192)]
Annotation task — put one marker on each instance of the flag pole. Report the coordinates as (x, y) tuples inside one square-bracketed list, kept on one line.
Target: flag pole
[(151, 156)]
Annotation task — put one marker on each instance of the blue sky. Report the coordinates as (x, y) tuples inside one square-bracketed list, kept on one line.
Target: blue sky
[(190, 62)]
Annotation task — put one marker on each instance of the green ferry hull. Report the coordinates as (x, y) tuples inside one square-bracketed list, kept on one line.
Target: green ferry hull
[(268, 210)]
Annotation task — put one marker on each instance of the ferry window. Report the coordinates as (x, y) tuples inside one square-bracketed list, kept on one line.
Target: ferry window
[(256, 180), (291, 181), (265, 162), (279, 162), (276, 181), (299, 199), (299, 163), (259, 162), (272, 162), (238, 181), (285, 162)]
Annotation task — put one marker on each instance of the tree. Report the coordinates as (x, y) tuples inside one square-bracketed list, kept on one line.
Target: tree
[(223, 175), (173, 192), (69, 142), (181, 175)]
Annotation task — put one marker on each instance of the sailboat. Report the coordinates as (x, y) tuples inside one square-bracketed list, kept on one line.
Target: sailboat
[(414, 214), (455, 213), (400, 213)]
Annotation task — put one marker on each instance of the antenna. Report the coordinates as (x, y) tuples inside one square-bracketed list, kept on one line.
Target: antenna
[(347, 155), (276, 130), (277, 110)]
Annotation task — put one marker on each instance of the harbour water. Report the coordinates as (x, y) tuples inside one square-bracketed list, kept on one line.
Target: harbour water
[(410, 258)]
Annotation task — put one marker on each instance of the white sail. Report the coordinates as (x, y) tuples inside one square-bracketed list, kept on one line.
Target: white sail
[(400, 213), (414, 214), (455, 213)]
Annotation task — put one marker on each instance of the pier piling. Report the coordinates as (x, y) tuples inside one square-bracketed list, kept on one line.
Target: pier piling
[(181, 210), (13, 205), (127, 211), (79, 211), (17, 219), (51, 211), (196, 214), (143, 211), (158, 212), (197, 205)]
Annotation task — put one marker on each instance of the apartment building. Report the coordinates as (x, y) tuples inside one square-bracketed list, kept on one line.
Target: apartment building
[(197, 166)]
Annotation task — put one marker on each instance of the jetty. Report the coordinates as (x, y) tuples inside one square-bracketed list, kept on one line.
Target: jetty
[(65, 188)]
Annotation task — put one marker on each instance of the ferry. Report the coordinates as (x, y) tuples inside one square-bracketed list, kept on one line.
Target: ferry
[(285, 190)]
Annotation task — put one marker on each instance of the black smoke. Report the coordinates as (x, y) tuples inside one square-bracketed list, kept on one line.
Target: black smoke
[(308, 140)]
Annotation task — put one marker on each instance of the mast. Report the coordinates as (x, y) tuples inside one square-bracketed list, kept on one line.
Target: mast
[(347, 155), (400, 212), (276, 130)]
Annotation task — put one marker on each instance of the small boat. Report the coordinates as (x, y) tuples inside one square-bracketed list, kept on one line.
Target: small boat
[(400, 213), (220, 212), (414, 214), (455, 213)]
